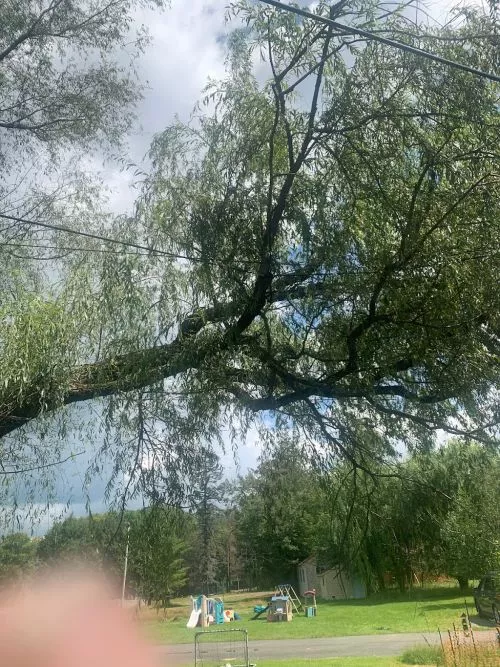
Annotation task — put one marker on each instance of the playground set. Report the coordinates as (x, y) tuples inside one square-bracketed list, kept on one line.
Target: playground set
[(208, 611), (229, 648), (281, 606), (310, 608)]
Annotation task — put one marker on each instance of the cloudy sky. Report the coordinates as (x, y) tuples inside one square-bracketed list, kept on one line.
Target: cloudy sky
[(186, 50)]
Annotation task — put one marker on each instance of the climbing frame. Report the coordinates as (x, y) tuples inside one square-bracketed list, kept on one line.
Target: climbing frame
[(287, 589)]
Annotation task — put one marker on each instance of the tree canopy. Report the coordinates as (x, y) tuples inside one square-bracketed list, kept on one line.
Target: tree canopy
[(17, 556), (436, 515), (156, 568), (323, 240), (282, 515)]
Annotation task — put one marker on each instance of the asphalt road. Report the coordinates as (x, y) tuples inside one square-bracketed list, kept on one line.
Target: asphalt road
[(177, 655), (327, 647)]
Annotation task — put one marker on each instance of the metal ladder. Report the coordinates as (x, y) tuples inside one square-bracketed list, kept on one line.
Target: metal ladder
[(287, 589)]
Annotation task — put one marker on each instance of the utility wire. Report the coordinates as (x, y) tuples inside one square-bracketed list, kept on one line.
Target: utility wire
[(98, 237), (40, 246), (18, 471), (60, 228), (383, 40)]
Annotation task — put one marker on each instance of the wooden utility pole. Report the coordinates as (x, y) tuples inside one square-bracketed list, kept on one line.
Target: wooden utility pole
[(125, 567)]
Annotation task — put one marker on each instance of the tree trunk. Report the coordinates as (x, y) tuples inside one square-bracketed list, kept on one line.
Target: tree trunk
[(463, 584), (381, 581), (402, 580)]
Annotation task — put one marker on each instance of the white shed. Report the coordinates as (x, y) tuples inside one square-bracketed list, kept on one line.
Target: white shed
[(307, 575), (332, 583)]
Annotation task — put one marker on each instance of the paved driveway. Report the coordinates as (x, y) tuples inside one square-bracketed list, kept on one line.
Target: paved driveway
[(325, 647)]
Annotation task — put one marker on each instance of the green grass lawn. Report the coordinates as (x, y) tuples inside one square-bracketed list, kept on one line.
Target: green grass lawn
[(417, 611), (334, 662)]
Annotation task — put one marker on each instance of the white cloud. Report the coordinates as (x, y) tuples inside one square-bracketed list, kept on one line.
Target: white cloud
[(184, 53), (244, 458)]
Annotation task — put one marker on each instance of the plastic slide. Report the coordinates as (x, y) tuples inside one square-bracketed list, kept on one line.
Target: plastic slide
[(259, 609), (193, 619)]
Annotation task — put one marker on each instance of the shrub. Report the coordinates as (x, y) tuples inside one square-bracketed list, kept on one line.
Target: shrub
[(423, 655)]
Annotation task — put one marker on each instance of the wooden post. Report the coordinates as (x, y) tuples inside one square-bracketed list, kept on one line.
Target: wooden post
[(204, 613)]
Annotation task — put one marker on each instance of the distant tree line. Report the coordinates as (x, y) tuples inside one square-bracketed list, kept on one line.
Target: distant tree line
[(432, 514)]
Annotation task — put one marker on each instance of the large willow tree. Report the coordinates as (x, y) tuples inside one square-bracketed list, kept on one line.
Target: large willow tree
[(324, 240)]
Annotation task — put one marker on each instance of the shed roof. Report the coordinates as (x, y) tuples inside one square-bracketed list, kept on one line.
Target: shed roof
[(309, 559)]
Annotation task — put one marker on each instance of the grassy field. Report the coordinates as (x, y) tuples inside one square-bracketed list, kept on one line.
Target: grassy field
[(417, 611), (334, 662), (417, 657)]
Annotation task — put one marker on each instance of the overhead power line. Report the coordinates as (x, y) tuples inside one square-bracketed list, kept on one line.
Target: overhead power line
[(18, 471), (383, 40), (43, 246), (98, 237), (68, 230)]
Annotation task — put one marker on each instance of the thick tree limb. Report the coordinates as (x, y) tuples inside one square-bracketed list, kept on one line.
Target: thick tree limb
[(142, 368)]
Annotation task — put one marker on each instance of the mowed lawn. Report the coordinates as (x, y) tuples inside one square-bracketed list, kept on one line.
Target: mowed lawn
[(416, 611), (372, 661)]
